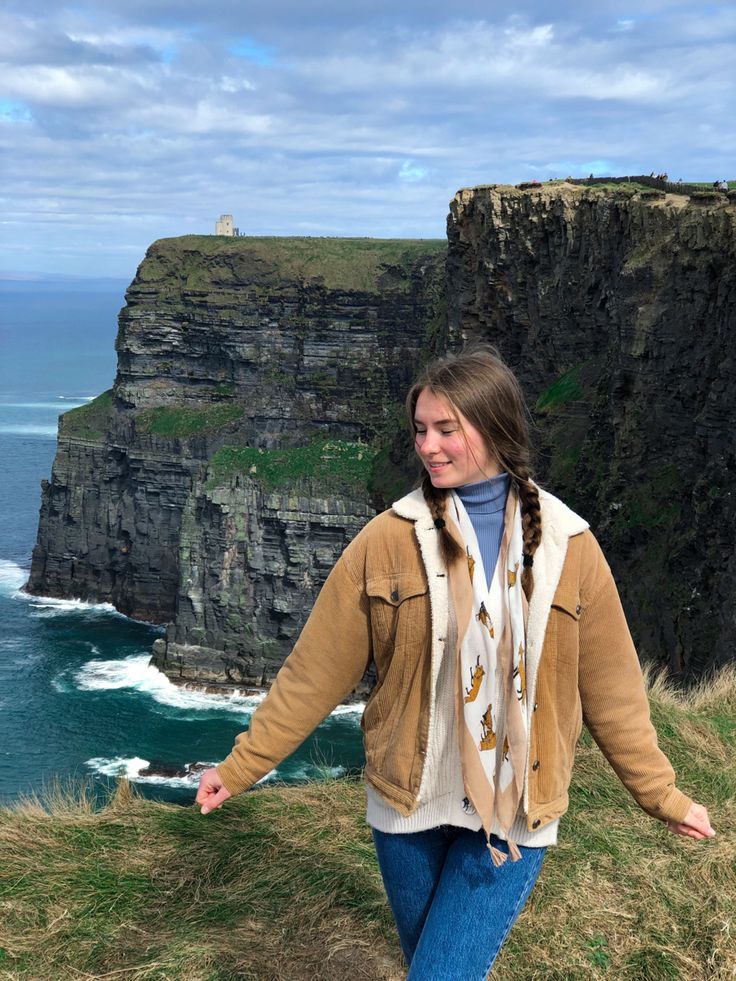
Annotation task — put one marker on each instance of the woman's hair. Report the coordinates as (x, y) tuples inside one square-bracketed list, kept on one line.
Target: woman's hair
[(478, 384)]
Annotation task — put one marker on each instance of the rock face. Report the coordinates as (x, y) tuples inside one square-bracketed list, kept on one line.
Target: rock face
[(245, 441), (252, 563), (255, 423), (618, 311)]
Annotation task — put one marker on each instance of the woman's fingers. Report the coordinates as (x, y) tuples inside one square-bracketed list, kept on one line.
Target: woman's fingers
[(211, 793), (696, 824)]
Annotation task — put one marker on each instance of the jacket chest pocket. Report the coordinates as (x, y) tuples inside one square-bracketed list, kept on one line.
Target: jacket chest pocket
[(400, 614), (564, 617)]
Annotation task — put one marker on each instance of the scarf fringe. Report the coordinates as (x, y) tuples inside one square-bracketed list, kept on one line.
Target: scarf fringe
[(497, 855), (500, 857)]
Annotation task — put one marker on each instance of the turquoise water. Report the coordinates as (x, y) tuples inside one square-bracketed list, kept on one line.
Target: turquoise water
[(78, 700)]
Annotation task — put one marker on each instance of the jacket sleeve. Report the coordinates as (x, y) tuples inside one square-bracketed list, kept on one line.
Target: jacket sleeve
[(613, 696), (327, 662)]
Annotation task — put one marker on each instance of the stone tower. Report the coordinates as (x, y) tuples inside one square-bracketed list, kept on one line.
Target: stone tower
[(224, 226)]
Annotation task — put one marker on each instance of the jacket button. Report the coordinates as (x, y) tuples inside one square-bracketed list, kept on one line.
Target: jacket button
[(535, 706), (395, 596), (578, 609), (535, 765), (535, 824)]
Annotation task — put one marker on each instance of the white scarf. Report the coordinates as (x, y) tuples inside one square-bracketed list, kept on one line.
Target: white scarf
[(491, 700)]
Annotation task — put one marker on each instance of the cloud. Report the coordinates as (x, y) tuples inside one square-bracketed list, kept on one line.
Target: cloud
[(142, 120)]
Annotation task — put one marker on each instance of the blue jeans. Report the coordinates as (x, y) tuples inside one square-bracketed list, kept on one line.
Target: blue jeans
[(453, 908)]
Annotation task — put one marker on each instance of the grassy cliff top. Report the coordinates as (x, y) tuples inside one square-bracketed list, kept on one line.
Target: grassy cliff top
[(282, 883), (622, 189), (366, 264)]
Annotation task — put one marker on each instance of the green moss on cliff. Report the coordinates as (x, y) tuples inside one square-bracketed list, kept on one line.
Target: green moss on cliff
[(183, 421), (655, 501), (330, 465), (566, 388), (88, 421), (200, 262)]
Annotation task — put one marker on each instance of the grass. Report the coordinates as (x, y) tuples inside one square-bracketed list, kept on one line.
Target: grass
[(207, 261), (326, 464), (282, 883), (88, 421), (183, 421)]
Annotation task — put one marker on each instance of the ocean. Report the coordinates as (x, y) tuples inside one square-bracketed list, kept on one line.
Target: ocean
[(79, 703)]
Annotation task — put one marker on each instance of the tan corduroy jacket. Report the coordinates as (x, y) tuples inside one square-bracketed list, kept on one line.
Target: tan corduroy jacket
[(390, 599)]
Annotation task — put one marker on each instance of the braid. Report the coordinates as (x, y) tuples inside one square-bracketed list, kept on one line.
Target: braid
[(531, 523), (436, 502)]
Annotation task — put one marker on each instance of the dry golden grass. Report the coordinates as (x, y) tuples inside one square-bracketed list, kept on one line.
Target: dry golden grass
[(282, 883)]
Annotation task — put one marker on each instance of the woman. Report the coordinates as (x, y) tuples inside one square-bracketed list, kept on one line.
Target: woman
[(495, 627)]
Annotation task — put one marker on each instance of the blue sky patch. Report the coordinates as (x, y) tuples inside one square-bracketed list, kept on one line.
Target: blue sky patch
[(250, 50), (13, 111), (411, 172)]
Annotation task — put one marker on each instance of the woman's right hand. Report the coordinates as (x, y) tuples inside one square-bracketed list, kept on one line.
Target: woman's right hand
[(211, 793), (696, 825)]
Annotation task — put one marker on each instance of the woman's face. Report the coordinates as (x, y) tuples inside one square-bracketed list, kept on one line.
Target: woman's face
[(450, 447)]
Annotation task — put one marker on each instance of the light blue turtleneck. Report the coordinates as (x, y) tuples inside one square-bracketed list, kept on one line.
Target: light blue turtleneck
[(485, 503)]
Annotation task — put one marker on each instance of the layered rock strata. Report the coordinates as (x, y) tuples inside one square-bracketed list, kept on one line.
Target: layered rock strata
[(246, 439), (617, 308)]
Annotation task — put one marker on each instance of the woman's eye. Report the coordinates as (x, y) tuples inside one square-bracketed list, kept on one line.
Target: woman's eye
[(447, 432)]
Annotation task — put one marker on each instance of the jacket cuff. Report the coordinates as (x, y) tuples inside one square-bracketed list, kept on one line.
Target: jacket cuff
[(674, 807), (232, 776)]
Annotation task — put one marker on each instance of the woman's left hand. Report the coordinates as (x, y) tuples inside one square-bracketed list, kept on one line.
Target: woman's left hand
[(696, 824)]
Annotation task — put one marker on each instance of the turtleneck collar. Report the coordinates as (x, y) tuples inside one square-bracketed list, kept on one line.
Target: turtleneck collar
[(485, 496)]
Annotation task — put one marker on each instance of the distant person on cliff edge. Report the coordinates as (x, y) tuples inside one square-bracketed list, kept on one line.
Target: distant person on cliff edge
[(495, 628)]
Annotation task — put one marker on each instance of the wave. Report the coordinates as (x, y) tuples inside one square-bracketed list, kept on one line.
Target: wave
[(137, 673), (306, 773), (61, 684), (354, 708), (131, 767), (43, 607), (43, 405), (12, 577), (77, 398), (13, 643), (28, 429), (187, 776)]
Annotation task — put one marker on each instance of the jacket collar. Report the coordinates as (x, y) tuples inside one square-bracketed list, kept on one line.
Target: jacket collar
[(558, 520)]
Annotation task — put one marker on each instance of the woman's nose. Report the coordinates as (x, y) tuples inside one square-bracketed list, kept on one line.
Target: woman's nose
[(429, 445)]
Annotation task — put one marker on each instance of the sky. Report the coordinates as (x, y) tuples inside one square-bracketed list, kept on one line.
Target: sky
[(125, 122)]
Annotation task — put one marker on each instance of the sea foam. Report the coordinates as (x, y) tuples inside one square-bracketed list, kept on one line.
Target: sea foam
[(28, 429), (12, 577), (130, 767), (43, 405), (136, 672)]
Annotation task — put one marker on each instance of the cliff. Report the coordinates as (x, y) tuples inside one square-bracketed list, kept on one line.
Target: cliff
[(617, 307), (246, 439), (255, 421)]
